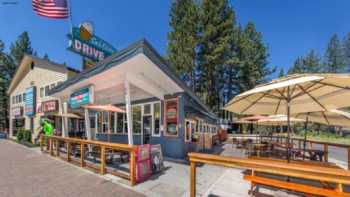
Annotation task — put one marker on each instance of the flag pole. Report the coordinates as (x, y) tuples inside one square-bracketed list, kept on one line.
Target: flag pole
[(70, 18)]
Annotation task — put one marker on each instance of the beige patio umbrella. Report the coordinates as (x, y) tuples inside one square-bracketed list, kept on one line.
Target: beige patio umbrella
[(294, 94), (331, 117), (279, 120)]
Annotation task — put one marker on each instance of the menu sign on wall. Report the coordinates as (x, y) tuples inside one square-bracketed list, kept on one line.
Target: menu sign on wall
[(30, 105), (50, 106), (82, 97)]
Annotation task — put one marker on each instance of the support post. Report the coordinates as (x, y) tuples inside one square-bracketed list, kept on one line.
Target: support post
[(128, 111), (41, 142), (87, 124), (348, 158), (325, 150), (132, 167), (82, 154), (57, 148), (103, 160), (193, 179), (65, 120), (68, 151), (51, 146)]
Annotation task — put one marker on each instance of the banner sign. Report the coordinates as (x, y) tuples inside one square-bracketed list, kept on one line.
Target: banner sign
[(82, 97), (17, 111), (90, 46), (50, 106), (30, 105)]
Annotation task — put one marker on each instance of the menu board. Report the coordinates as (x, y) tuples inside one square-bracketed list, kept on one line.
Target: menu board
[(171, 116)]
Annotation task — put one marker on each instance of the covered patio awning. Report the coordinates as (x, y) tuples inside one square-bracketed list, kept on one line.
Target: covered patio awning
[(108, 108)]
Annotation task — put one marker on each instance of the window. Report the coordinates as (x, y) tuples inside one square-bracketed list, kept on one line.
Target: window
[(47, 89), (24, 97), (17, 99), (92, 122), (156, 119), (120, 123), (20, 98), (136, 119), (59, 83), (188, 131), (112, 122), (147, 109), (41, 92), (13, 99), (52, 86)]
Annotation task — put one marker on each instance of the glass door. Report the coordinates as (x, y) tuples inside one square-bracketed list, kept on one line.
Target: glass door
[(146, 124)]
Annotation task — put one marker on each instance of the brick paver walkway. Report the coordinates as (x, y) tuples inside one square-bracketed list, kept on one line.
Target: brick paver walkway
[(25, 172)]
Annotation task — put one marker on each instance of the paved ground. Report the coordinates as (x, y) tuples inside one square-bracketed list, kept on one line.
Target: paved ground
[(25, 172)]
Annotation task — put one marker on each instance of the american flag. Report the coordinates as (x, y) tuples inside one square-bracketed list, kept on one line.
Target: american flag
[(51, 8)]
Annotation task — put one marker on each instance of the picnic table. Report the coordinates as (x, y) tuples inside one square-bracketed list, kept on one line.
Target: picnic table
[(314, 154), (258, 179)]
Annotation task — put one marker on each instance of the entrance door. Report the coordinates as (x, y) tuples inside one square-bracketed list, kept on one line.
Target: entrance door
[(147, 129)]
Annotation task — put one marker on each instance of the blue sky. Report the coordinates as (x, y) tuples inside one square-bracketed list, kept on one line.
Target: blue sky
[(290, 27)]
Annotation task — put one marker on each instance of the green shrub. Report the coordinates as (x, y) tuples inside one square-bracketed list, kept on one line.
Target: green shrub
[(27, 136), (20, 135)]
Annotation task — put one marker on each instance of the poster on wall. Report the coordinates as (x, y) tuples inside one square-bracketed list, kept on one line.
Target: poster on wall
[(144, 169), (50, 106), (30, 105), (157, 158), (171, 116), (82, 97)]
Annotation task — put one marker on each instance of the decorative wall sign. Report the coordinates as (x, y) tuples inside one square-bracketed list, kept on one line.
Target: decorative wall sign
[(85, 43), (82, 97), (171, 116), (30, 105), (17, 111), (50, 106)]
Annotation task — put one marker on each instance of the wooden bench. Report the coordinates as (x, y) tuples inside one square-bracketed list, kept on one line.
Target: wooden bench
[(307, 189)]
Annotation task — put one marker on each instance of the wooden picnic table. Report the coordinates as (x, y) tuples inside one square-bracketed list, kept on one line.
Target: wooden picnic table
[(314, 154)]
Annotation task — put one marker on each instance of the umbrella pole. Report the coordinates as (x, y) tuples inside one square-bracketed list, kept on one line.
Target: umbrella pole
[(305, 134), (288, 124)]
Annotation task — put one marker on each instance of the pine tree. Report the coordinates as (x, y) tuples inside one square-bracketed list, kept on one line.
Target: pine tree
[(216, 38), (21, 47), (346, 47), (311, 63), (252, 54), (281, 73), (183, 39), (335, 61)]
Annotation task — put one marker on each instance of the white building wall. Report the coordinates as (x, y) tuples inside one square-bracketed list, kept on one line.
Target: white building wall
[(39, 77)]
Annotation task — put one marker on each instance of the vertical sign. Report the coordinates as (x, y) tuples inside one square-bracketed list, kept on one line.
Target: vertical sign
[(30, 105)]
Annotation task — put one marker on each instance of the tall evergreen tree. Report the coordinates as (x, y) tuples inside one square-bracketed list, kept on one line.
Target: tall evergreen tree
[(183, 39), (335, 61), (216, 38), (311, 63), (252, 54), (281, 73), (21, 47), (346, 47)]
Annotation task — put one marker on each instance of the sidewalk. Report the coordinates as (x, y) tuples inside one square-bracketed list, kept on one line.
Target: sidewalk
[(26, 172)]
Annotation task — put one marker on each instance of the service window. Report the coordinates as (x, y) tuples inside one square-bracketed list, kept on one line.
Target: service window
[(156, 119)]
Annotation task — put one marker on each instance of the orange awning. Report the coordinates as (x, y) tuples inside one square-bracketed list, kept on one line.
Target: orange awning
[(109, 108)]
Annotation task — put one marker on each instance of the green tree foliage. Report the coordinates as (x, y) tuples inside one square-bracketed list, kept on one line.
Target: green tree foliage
[(335, 61), (215, 43), (281, 73), (311, 63), (252, 55), (21, 47), (183, 39)]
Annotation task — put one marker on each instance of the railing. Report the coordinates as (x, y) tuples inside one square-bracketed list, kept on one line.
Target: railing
[(52, 145), (304, 171), (299, 142)]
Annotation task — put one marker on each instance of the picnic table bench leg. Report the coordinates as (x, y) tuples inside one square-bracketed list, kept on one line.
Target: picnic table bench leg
[(193, 179)]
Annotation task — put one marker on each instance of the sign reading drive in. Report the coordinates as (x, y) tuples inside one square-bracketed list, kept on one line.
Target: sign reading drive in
[(30, 105), (83, 42), (81, 97)]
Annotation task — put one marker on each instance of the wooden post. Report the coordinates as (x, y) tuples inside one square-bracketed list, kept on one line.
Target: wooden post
[(325, 149), (348, 158), (68, 152), (51, 146), (103, 160), (193, 179), (82, 154), (340, 188), (41, 142), (133, 167), (57, 148)]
